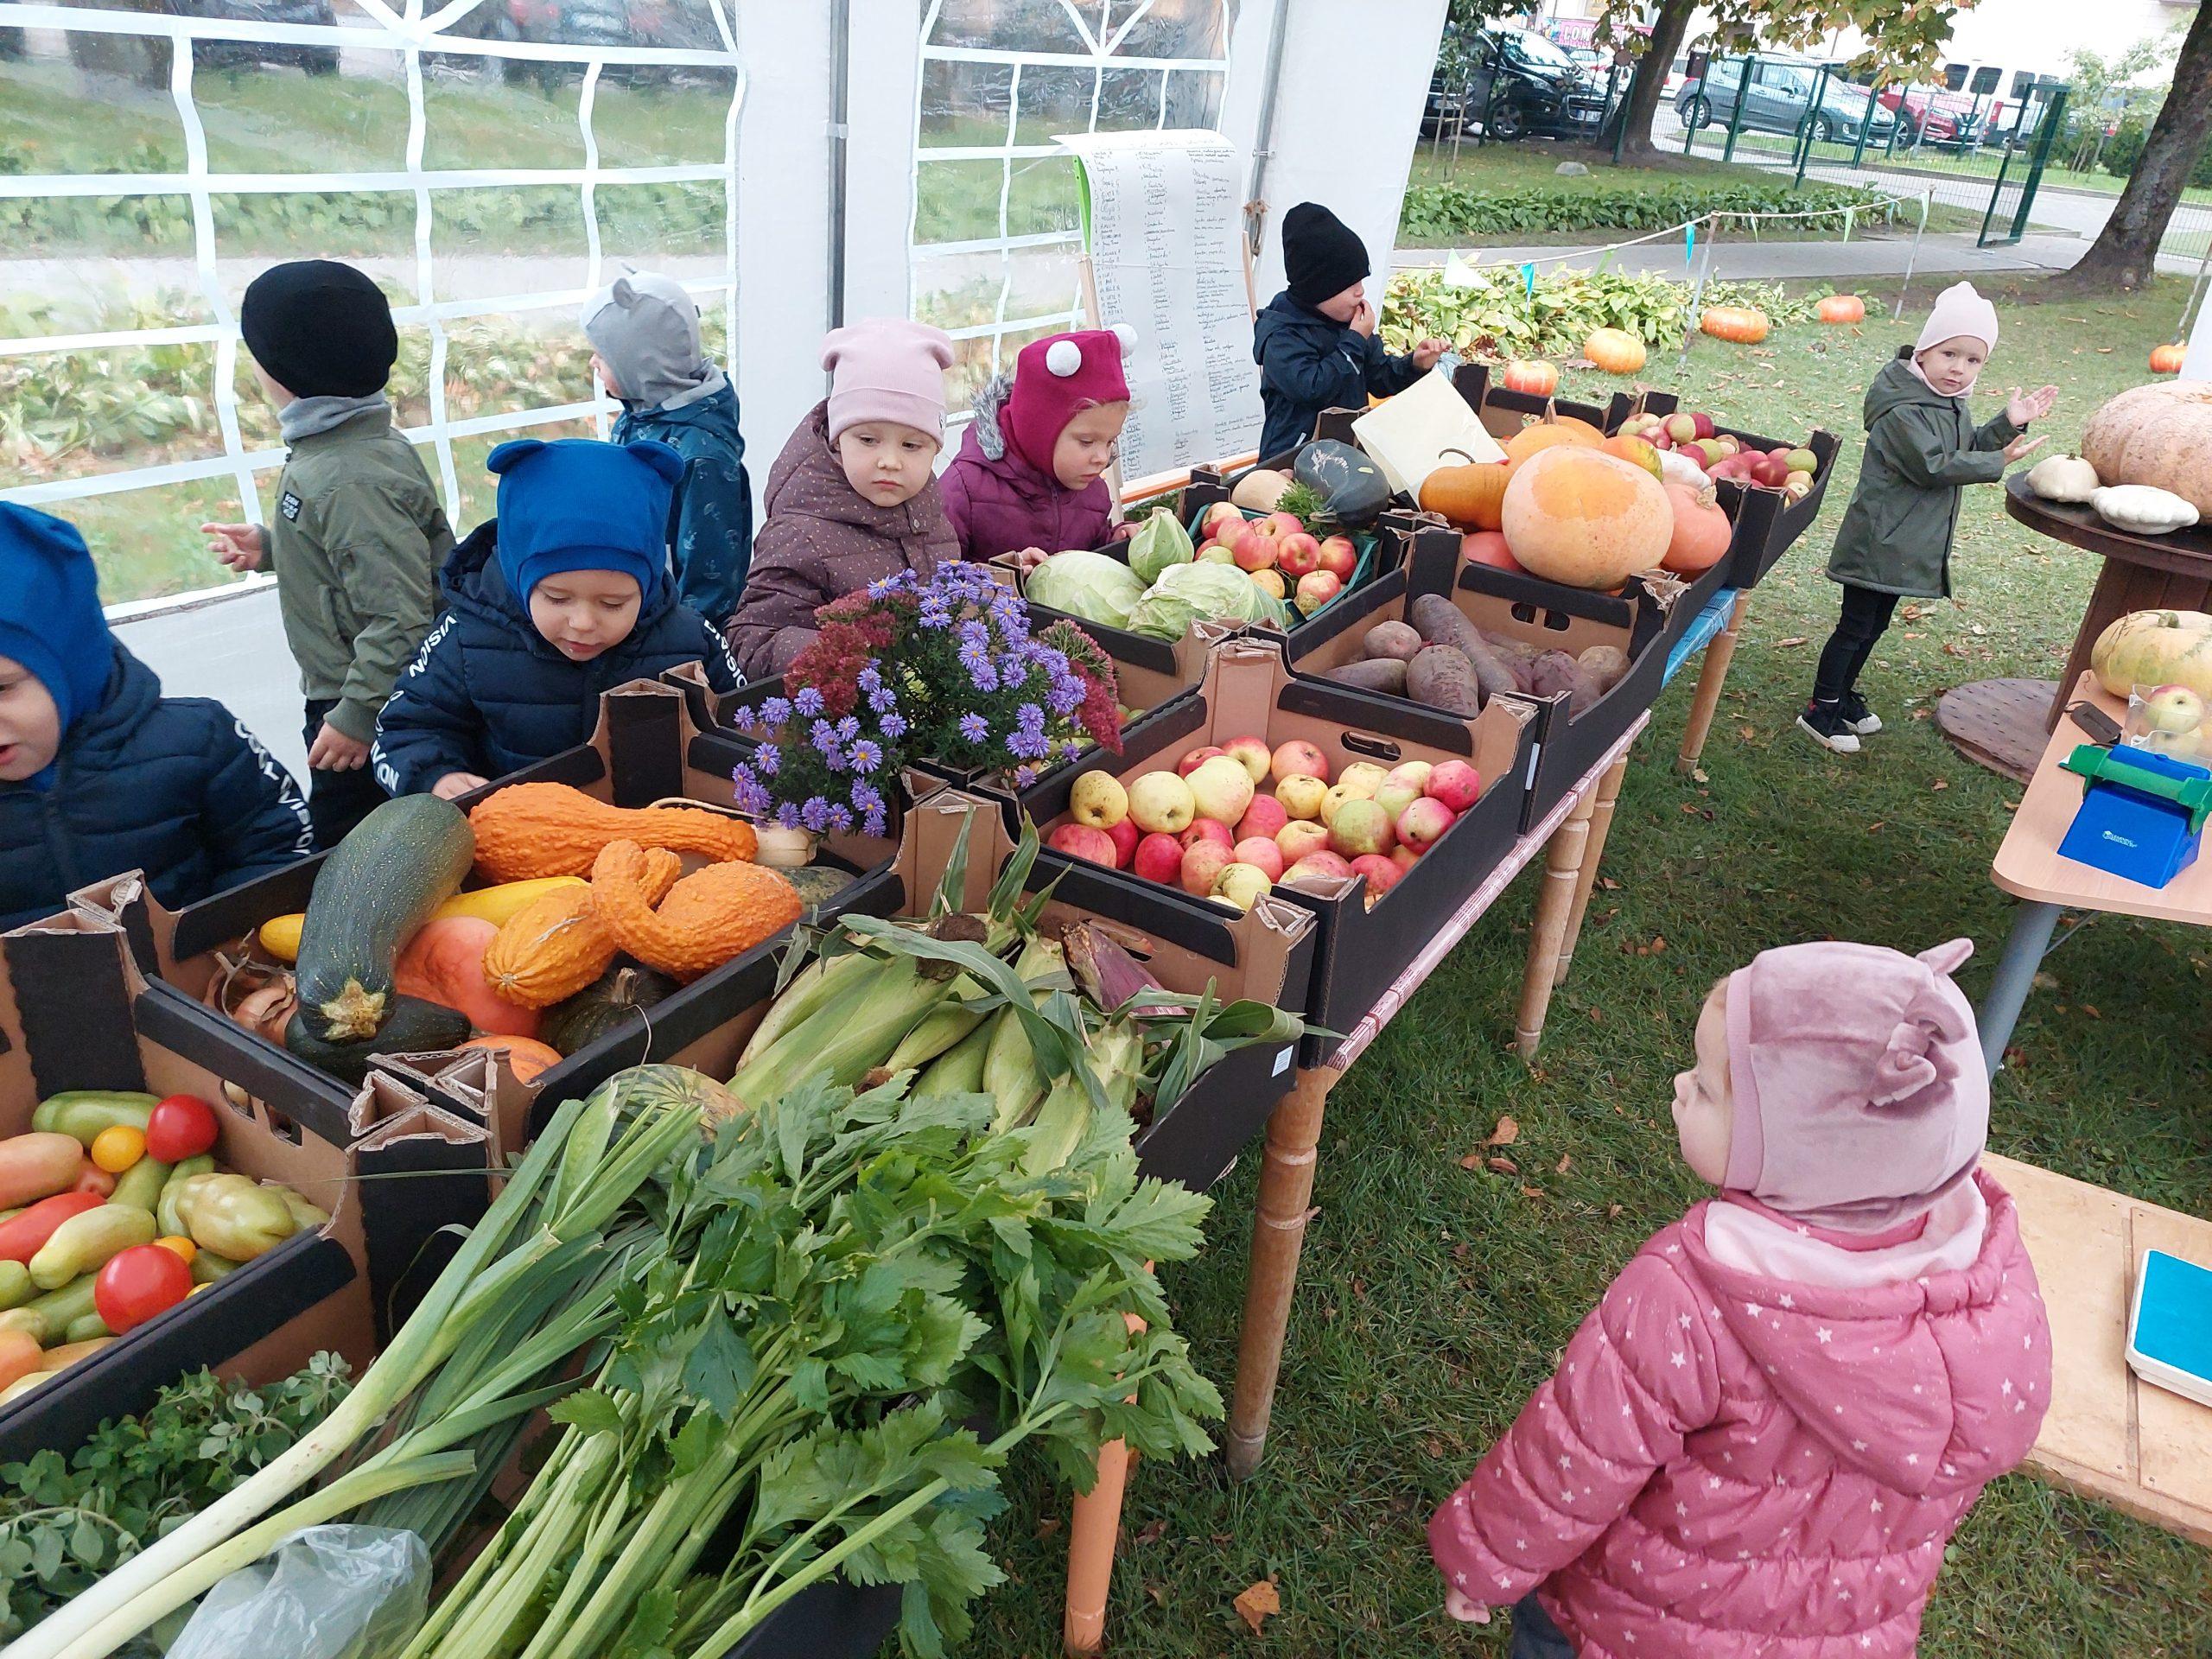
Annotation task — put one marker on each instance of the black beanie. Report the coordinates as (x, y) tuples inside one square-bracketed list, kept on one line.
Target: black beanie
[(1321, 256), (319, 328)]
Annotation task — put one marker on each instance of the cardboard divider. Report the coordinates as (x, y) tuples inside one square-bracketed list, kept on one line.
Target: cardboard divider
[(74, 1014), (1249, 689), (1503, 411), (1768, 522)]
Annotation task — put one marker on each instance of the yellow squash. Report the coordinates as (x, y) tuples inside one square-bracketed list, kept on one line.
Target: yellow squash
[(280, 935)]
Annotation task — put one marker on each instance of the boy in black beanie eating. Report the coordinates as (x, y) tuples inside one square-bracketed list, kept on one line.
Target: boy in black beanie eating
[(359, 534), (1315, 341)]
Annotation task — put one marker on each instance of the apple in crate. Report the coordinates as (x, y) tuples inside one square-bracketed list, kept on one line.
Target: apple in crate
[(1423, 823), (1298, 759), (1299, 555), (1300, 838), (2173, 708), (1403, 856), (1242, 885), (1364, 778), (1270, 582), (1098, 800), (1381, 874), (1255, 755), (1197, 757), (1202, 862), (1200, 829), (1257, 547), (1081, 841), (1302, 797), (1158, 858), (1361, 827), (1317, 588), (1802, 460), (1339, 556), (1161, 801), (1214, 553), (1125, 835), (1456, 783), (1263, 817), (1219, 517), (1320, 866), (1222, 788), (1260, 850)]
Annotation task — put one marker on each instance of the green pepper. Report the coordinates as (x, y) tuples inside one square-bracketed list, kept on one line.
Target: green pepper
[(141, 1184), (46, 1317), (86, 1328), (165, 1210), (83, 1242), (207, 1267), (14, 1284), (306, 1217), (229, 1215), (84, 1113)]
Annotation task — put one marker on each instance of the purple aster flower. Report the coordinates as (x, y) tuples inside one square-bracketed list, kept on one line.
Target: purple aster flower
[(1066, 696), (841, 818), (767, 759), (866, 795), (749, 794), (883, 586), (743, 718), (1024, 776), (787, 816), (874, 823), (869, 678), (815, 815), (935, 613), (893, 726), (848, 729), (1030, 717), (775, 711), (1029, 745), (867, 756), (973, 728), (881, 703), (982, 676), (808, 701)]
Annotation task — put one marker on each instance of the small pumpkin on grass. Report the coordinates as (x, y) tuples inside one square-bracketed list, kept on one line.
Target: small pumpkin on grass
[(1615, 351), (2165, 360), (1744, 324), (531, 830), (1843, 308), (707, 918)]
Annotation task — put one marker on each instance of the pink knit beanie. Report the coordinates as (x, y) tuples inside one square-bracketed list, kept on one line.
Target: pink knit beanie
[(1861, 1092), (886, 368), (1057, 375)]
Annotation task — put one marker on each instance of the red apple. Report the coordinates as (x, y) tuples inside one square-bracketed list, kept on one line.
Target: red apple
[(1158, 858), (1382, 873), (1403, 856), (1201, 863), (1285, 522), (1326, 867), (1081, 841), (1297, 758), (1255, 550), (1421, 824), (1488, 546), (1263, 817), (1219, 514), (1125, 835), (1261, 851), (1705, 427), (1197, 757), (1211, 830), (1317, 588), (1456, 783), (1339, 557), (1300, 554), (1254, 754), (1301, 836)]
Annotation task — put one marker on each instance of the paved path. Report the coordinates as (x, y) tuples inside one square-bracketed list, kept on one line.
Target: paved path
[(1743, 260)]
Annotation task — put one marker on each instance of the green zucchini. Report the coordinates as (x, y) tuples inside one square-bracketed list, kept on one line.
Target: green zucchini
[(411, 1026), (605, 1005), (404, 860)]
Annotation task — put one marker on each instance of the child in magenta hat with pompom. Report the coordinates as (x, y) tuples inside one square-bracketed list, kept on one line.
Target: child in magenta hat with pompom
[(1031, 475), (1763, 1437)]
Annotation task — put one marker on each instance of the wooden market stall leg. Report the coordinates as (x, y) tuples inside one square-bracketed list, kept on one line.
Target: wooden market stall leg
[(1278, 1236), (1094, 1525), (1712, 675), (1601, 824), (1555, 902)]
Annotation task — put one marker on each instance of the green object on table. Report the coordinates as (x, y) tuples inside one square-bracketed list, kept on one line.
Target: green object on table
[(2102, 765)]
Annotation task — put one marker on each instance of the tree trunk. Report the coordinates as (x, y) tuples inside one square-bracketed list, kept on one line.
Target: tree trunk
[(1642, 105), (2126, 255)]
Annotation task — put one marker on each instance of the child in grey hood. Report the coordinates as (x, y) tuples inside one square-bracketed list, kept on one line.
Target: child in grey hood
[(1922, 449), (645, 352)]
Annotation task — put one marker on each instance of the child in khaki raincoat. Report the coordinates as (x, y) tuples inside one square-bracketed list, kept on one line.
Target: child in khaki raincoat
[(1922, 449)]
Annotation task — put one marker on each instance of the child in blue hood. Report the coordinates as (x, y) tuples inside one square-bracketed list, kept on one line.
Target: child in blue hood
[(1315, 341), (563, 596), (99, 773)]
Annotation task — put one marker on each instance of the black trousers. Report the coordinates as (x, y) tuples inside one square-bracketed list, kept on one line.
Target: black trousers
[(1865, 618), (336, 800)]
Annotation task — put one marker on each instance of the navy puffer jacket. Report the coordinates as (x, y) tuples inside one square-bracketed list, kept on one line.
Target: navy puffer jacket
[(489, 694), (173, 786)]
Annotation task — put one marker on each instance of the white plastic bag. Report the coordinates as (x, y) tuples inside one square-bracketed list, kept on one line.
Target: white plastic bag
[(325, 1592)]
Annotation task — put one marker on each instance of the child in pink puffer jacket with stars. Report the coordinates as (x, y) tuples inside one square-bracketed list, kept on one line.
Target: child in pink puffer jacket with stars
[(1761, 1440)]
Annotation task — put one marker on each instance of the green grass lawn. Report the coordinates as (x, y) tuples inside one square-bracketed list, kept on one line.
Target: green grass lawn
[(1433, 1299)]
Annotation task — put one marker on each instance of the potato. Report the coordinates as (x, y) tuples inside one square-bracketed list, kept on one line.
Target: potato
[(1378, 674), (1606, 664), (1398, 639), (1443, 678), (1440, 624), (1558, 672)]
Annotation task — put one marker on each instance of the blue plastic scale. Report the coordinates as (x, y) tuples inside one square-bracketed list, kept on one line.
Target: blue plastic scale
[(2142, 814)]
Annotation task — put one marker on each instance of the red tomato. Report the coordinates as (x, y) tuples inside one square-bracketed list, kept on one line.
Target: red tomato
[(138, 1283), (181, 1126)]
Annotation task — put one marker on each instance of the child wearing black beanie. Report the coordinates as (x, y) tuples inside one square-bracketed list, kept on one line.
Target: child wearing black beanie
[(357, 535), (1315, 341)]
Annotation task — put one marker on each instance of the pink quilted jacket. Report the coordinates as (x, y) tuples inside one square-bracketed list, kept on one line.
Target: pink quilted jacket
[(1727, 1466)]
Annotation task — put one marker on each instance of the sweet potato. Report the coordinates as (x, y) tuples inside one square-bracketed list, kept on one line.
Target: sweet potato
[(1443, 678), (1397, 639), (1558, 672), (1440, 624), (1378, 674), (1606, 664)]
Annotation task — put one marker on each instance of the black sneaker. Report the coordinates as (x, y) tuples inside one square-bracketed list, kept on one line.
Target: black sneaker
[(1826, 725), (1858, 717)]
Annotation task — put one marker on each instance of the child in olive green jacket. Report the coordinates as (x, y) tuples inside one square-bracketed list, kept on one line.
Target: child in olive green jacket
[(1922, 449), (359, 534)]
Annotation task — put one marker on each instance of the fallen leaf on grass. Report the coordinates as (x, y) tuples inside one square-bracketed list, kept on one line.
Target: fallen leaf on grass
[(1697, 775), (2090, 1008), (2103, 351), (1532, 1192), (1794, 639), (1151, 1533), (1878, 826), (1257, 1604), (1940, 784), (1502, 1166), (1746, 733), (1504, 1135), (1047, 1526), (1612, 1212), (1565, 1160), (1472, 1160)]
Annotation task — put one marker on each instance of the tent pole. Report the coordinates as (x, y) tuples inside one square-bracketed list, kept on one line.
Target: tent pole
[(1256, 206), (841, 34)]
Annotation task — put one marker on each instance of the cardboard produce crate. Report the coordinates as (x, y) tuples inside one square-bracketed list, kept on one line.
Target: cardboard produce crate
[(76, 1013), (1503, 412), (647, 749), (1249, 689)]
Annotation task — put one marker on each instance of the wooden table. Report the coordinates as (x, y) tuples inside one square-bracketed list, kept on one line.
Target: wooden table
[(2109, 1435), (2028, 866)]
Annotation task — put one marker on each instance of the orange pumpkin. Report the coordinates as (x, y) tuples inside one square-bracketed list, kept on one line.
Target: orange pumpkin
[(1636, 450), (444, 964), (1488, 546), (1537, 379), (1614, 350), (1467, 496), (1843, 308), (1701, 531), (526, 1057), (2165, 360), (1539, 435), (1746, 325), (1587, 518)]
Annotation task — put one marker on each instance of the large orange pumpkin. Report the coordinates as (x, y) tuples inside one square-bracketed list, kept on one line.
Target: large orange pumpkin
[(1746, 325), (2165, 360), (1701, 530), (1539, 435), (1614, 350), (1537, 379), (1843, 308), (1467, 496), (1587, 518), (1488, 546), (526, 1057), (444, 964)]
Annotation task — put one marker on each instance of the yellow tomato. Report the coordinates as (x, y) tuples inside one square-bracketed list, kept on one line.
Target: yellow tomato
[(178, 1243), (117, 1147)]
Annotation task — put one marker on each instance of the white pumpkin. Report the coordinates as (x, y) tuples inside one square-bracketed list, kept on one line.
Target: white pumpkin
[(2063, 478), (1260, 489), (2159, 434), (1675, 468), (2155, 648), (2142, 508)]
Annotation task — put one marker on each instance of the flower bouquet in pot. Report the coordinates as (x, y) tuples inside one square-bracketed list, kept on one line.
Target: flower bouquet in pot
[(940, 671)]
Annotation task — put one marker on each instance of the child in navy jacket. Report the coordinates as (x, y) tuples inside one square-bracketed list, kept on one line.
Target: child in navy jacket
[(563, 596), (1315, 341), (99, 773)]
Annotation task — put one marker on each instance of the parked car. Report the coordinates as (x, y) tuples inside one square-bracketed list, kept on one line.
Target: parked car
[(1779, 98), (1922, 118), (1520, 86), (684, 25), (243, 54)]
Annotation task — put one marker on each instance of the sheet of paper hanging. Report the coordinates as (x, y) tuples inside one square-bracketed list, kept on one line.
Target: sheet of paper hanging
[(1163, 218)]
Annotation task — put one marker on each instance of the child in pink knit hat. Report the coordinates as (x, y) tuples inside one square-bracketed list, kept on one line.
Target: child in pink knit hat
[(1030, 476), (1761, 1438), (853, 498)]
